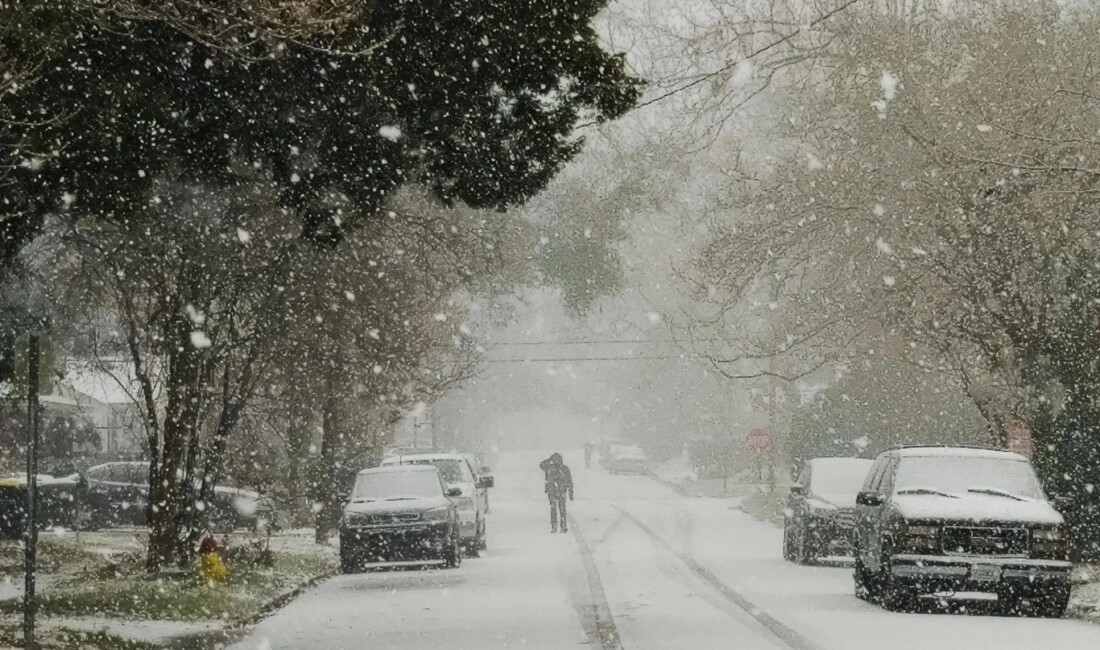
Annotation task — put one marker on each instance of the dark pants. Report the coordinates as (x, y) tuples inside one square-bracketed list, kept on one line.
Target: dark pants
[(557, 512)]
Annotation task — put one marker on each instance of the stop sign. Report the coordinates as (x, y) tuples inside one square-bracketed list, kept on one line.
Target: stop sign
[(759, 441)]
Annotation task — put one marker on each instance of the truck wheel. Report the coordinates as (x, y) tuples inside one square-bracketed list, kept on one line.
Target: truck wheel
[(865, 582), (806, 552), (788, 542), (452, 554), (349, 562), (895, 595), (482, 544), (1052, 603)]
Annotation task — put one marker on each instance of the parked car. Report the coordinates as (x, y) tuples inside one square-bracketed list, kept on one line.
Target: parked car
[(118, 495), (944, 520), (59, 500), (456, 472), (626, 459), (400, 512), (820, 519), (481, 470)]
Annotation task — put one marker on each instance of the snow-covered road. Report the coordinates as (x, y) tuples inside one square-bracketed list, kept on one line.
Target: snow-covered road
[(670, 572)]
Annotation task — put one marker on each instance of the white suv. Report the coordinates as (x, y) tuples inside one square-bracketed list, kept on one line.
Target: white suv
[(456, 472)]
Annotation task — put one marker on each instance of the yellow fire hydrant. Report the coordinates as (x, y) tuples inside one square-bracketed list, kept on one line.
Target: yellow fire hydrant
[(212, 568)]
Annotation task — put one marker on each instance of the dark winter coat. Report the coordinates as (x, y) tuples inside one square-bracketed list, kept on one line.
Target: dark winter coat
[(559, 480)]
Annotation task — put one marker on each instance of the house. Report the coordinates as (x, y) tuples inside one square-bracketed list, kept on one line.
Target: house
[(105, 397)]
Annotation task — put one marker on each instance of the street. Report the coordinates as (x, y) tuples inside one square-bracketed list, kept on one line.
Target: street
[(642, 568)]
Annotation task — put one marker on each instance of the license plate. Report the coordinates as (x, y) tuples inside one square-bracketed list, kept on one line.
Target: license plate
[(985, 573)]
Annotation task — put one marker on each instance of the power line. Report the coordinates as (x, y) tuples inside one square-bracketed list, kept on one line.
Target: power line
[(683, 357), (590, 342)]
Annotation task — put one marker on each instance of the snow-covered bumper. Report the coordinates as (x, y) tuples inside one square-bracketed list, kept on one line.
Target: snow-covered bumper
[(988, 574), (400, 542), (832, 534)]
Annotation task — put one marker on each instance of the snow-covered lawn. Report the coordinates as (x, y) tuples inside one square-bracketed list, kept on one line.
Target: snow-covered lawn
[(94, 582)]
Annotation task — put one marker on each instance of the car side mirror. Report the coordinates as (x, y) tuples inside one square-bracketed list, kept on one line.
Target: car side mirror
[(485, 469), (485, 481), (798, 490), (454, 492), (869, 498), (1062, 501)]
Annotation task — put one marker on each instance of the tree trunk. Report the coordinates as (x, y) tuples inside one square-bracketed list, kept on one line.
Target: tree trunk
[(168, 538), (327, 494), (299, 435)]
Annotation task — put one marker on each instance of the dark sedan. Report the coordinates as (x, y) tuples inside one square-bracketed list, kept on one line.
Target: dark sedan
[(399, 513)]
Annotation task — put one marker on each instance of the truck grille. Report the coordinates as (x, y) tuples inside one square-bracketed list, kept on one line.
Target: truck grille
[(846, 518), (390, 518), (985, 540)]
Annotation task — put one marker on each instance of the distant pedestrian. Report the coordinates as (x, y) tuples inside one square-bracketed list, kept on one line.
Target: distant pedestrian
[(559, 482), (588, 448)]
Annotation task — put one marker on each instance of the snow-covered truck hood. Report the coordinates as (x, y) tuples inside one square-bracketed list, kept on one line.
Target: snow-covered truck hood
[(391, 505), (975, 508)]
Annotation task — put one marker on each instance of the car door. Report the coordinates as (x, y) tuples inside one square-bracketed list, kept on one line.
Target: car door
[(99, 498), (137, 482), (796, 502), (866, 533), (482, 492), (878, 514), (115, 493), (469, 486)]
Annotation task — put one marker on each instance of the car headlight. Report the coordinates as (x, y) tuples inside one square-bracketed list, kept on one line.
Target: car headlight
[(1048, 535), (356, 519), (435, 514), (919, 537), (1050, 543)]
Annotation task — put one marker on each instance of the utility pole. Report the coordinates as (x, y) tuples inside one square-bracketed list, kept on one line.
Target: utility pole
[(30, 528)]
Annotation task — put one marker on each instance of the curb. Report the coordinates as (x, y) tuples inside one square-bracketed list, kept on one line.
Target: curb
[(236, 630)]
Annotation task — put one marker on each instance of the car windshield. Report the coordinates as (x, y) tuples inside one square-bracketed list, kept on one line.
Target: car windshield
[(629, 453), (451, 470), (620, 272), (838, 480), (395, 485), (958, 475)]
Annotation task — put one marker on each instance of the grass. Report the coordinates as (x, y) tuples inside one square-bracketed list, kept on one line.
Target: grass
[(124, 591), (55, 555), (766, 506), (62, 639)]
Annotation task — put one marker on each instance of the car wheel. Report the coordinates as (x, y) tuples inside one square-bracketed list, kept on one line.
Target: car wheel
[(897, 597), (452, 555), (865, 582), (87, 519), (806, 551), (1050, 604), (349, 561), (788, 541)]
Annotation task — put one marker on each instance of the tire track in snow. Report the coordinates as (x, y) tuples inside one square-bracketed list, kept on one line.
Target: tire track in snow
[(606, 633), (785, 633)]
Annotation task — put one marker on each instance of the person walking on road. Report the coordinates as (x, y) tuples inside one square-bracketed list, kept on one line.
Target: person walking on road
[(588, 455), (559, 482)]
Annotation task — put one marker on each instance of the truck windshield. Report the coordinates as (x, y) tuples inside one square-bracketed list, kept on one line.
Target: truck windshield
[(958, 474)]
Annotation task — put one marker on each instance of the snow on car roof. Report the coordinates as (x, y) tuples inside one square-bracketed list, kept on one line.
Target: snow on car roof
[(944, 450), (393, 460), (841, 462), (393, 467)]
